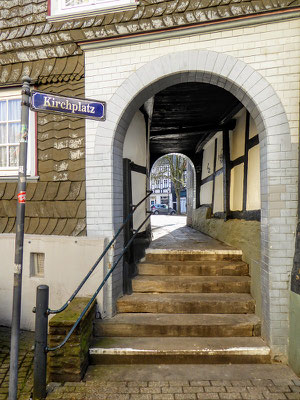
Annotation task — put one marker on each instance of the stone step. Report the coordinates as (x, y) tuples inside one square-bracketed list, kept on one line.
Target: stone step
[(162, 350), (192, 284), (178, 325), (194, 268), (192, 255), (209, 303)]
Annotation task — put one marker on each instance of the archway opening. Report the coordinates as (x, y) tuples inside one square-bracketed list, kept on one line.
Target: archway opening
[(209, 126), (254, 92)]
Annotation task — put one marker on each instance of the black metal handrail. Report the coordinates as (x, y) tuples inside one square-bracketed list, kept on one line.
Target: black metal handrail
[(101, 256), (42, 311), (98, 290)]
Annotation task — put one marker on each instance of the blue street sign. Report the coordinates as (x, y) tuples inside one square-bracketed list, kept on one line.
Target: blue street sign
[(72, 106)]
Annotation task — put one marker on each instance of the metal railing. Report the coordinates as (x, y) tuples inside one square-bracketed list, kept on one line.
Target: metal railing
[(42, 311)]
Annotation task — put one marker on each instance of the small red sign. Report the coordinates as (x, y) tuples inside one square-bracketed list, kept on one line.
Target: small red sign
[(22, 197)]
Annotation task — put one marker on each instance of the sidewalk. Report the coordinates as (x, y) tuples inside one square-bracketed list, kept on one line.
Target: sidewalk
[(183, 382), (25, 363)]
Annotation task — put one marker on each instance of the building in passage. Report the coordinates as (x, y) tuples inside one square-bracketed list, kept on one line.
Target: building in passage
[(163, 181), (217, 82)]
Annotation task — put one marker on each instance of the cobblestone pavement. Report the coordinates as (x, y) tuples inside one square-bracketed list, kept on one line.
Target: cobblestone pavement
[(25, 363), (179, 390)]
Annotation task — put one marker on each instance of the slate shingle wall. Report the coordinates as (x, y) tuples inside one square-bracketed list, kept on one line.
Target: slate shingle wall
[(56, 203), (31, 45)]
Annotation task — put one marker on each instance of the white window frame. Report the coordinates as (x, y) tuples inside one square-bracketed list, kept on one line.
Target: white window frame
[(6, 172), (58, 11)]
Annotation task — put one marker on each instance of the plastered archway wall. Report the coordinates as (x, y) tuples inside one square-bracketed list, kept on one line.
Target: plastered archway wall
[(265, 107)]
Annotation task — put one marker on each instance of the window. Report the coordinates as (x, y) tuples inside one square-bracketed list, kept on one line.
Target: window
[(10, 127), (64, 9), (165, 182), (37, 265)]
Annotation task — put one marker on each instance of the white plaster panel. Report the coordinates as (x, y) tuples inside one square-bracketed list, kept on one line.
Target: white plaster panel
[(236, 188), (253, 179), (67, 260)]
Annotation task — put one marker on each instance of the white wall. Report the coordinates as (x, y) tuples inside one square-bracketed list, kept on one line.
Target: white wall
[(260, 66), (67, 260)]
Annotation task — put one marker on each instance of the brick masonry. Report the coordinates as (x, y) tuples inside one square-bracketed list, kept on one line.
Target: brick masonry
[(260, 65)]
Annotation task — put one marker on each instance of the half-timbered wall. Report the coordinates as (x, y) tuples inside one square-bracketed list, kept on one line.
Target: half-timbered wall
[(244, 171)]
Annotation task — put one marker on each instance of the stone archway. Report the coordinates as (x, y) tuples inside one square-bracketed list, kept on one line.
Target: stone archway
[(265, 107)]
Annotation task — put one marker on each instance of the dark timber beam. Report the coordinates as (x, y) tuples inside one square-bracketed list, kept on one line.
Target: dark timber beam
[(246, 161)]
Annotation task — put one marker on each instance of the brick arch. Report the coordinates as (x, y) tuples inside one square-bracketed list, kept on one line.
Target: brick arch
[(265, 107)]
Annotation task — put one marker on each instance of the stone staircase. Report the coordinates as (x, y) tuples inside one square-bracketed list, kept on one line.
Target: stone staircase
[(186, 307)]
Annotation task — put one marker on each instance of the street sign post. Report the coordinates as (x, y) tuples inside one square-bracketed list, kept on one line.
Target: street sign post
[(45, 102), (71, 106), (17, 290)]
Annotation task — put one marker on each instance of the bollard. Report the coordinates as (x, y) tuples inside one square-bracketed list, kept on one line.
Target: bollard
[(40, 347)]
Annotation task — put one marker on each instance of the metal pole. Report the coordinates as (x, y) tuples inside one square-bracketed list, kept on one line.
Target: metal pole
[(40, 352), (17, 289)]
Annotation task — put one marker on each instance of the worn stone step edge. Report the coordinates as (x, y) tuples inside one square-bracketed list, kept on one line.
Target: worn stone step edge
[(168, 350), (193, 268), (187, 303), (193, 284), (182, 255), (182, 325)]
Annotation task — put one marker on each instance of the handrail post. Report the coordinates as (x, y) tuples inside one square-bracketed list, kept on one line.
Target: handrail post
[(40, 349)]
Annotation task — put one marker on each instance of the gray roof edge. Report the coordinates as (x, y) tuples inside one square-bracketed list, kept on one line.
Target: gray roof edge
[(213, 26)]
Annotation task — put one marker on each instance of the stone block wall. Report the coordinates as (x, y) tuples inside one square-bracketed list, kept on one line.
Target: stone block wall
[(244, 235), (69, 363)]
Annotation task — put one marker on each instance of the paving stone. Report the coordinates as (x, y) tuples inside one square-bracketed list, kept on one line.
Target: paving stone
[(152, 390), (292, 396), (230, 396), (214, 389), (278, 389), (295, 388), (174, 389), (157, 383), (220, 383), (200, 383), (208, 396), (185, 396), (241, 383), (193, 389), (237, 389), (274, 396), (262, 382), (163, 396)]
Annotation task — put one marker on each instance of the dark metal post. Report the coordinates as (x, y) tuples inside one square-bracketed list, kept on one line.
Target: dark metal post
[(17, 290), (40, 348)]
